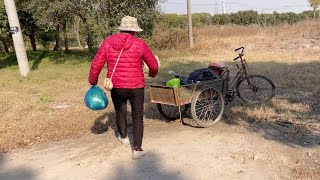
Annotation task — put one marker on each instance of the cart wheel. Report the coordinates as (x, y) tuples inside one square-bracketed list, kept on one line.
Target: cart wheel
[(170, 112), (207, 107)]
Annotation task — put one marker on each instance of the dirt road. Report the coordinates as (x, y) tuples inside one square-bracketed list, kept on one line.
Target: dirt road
[(173, 152)]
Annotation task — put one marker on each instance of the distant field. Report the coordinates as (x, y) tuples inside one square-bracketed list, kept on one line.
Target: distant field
[(48, 104)]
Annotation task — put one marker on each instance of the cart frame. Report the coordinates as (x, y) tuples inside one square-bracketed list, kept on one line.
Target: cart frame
[(183, 95), (190, 96)]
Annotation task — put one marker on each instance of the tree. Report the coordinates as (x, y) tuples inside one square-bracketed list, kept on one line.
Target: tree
[(29, 27), (173, 21), (4, 33), (87, 11), (308, 15), (102, 17), (144, 10), (201, 19), (49, 15), (245, 17), (221, 19), (90, 18), (314, 4)]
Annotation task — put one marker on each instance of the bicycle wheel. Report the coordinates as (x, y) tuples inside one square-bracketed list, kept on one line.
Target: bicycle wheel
[(170, 112), (207, 107), (255, 89)]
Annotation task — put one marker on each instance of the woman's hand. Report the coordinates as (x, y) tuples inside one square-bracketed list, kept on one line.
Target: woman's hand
[(157, 58)]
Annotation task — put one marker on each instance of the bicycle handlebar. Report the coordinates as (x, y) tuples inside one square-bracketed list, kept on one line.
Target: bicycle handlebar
[(239, 49), (240, 54)]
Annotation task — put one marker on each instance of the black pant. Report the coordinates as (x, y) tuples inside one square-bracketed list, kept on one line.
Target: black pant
[(120, 96)]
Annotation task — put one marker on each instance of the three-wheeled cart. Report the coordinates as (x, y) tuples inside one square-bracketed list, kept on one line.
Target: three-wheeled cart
[(205, 98)]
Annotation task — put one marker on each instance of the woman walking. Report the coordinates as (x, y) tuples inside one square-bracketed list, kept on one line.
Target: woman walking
[(124, 54)]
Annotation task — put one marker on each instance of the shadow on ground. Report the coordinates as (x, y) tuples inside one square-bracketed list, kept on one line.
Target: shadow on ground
[(36, 57), (149, 167), (294, 119), (103, 123), (20, 173), (279, 130)]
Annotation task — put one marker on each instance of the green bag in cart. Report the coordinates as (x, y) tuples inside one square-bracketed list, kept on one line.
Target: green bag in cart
[(175, 82)]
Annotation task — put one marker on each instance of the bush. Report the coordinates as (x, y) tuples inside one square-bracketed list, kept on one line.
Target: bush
[(165, 38), (173, 20), (45, 37), (201, 19)]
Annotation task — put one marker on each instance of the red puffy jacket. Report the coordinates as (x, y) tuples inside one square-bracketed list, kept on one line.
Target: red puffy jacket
[(129, 71)]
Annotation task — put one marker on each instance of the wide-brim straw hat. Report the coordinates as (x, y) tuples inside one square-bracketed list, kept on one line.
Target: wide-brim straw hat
[(129, 23)]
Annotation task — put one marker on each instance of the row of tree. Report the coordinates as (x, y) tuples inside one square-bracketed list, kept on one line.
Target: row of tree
[(239, 18), (44, 21), (242, 18)]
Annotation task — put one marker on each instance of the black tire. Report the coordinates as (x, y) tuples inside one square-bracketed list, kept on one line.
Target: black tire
[(207, 107), (170, 112), (260, 89)]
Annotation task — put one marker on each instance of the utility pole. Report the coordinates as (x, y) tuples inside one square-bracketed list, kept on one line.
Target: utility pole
[(223, 6), (17, 38), (190, 24)]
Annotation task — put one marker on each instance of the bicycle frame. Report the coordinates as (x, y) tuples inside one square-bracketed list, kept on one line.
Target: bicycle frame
[(242, 73)]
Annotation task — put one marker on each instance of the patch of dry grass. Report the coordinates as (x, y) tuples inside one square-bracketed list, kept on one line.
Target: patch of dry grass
[(48, 104), (296, 43)]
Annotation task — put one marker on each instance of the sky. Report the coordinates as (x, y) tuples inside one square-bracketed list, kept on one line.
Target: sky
[(215, 6)]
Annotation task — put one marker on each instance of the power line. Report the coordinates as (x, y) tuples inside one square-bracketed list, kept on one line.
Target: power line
[(234, 6), (194, 4)]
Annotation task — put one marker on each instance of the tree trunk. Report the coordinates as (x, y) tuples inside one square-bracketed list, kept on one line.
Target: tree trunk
[(5, 46), (76, 31), (89, 37), (57, 37), (65, 34), (90, 41), (32, 38), (17, 38)]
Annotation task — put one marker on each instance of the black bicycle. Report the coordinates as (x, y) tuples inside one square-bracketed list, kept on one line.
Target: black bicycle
[(251, 88)]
